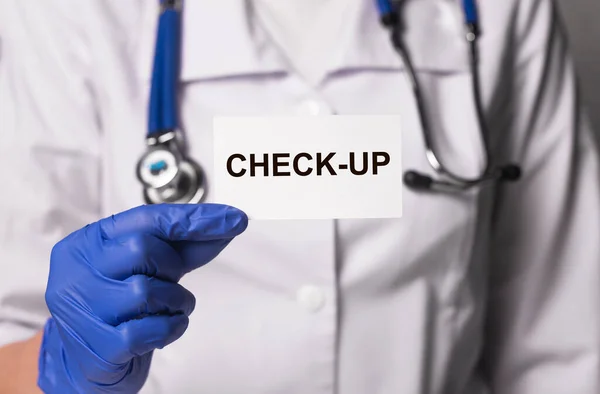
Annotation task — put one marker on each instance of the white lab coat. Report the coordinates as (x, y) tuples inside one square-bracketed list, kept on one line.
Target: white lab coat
[(352, 306)]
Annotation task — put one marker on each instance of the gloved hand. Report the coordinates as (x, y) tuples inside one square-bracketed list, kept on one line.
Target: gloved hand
[(114, 297)]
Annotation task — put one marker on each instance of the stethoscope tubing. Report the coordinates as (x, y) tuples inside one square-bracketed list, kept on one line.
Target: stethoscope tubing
[(164, 124), (163, 110), (390, 18), (430, 152)]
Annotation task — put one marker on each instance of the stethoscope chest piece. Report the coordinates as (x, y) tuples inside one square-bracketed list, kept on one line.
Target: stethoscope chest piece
[(168, 176)]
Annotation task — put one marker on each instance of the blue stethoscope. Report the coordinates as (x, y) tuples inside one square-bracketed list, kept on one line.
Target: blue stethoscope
[(169, 175)]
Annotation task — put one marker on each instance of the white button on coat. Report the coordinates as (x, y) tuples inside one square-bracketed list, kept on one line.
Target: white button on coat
[(311, 298), (314, 107)]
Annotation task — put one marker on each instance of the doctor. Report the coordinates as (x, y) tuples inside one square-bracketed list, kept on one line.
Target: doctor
[(493, 289)]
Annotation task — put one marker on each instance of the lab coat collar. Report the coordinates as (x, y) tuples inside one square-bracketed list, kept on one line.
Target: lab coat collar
[(221, 39), (365, 43), (433, 32)]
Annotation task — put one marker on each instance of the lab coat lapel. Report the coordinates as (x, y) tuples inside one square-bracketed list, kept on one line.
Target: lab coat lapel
[(213, 49), (432, 30)]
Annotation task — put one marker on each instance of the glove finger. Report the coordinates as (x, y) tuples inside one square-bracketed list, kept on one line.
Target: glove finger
[(116, 346), (140, 296), (177, 222), (139, 337), (66, 358), (139, 254), (197, 254)]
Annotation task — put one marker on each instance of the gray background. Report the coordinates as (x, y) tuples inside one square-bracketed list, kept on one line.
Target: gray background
[(582, 18)]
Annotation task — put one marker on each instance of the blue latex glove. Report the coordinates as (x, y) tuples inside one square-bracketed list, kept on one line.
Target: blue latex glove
[(114, 297)]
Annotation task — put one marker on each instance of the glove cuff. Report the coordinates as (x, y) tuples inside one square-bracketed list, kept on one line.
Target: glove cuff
[(55, 376), (51, 367)]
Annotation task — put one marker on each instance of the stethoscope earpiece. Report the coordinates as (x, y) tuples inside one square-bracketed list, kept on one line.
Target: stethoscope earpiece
[(417, 181), (510, 173), (420, 182)]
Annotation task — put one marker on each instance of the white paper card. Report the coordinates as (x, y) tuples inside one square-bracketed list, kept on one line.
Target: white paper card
[(322, 167)]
